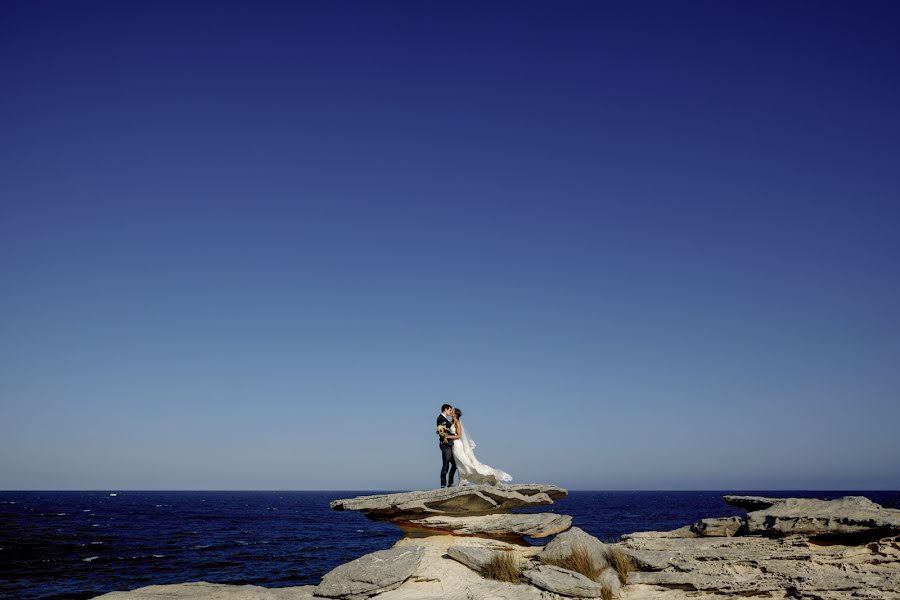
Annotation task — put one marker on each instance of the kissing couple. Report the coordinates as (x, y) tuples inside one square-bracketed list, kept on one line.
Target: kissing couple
[(457, 453)]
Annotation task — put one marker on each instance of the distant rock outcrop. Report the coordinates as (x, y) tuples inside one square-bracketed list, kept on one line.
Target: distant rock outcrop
[(785, 547), (805, 516)]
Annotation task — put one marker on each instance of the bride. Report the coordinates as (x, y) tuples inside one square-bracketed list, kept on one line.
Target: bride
[(470, 469)]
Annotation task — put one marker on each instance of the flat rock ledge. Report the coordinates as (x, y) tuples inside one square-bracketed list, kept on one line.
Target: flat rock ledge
[(466, 500), (536, 525), (371, 574)]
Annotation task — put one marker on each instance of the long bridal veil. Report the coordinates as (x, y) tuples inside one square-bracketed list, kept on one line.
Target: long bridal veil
[(470, 468)]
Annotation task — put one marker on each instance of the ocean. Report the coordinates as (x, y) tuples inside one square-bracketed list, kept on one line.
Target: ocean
[(77, 545)]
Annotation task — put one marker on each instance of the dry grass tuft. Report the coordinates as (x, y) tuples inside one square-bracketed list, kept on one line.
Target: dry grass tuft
[(606, 593), (504, 566), (579, 561), (619, 561)]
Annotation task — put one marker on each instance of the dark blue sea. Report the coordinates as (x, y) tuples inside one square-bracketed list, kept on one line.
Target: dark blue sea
[(77, 545)]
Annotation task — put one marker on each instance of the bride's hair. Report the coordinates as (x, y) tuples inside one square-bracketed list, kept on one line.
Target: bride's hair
[(458, 413)]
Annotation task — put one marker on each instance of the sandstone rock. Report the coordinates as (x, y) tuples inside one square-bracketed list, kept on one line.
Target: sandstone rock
[(202, 590), (466, 500), (807, 516), (721, 527), (440, 578), (536, 525), (478, 557), (371, 574), (563, 544), (751, 502), (753, 565), (474, 557), (681, 532), (564, 582), (649, 560)]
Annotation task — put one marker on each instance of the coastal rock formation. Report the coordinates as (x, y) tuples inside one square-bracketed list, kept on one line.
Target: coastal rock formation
[(536, 525), (760, 566), (371, 574), (466, 500), (784, 548), (806, 516)]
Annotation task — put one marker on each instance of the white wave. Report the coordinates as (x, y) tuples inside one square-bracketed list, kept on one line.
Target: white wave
[(89, 559)]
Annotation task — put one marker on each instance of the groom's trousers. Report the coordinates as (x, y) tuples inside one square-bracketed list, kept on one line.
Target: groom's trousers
[(448, 464)]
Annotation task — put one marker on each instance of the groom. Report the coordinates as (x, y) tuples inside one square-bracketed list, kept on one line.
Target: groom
[(447, 462)]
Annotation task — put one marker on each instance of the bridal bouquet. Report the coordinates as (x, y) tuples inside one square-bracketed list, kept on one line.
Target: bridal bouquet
[(443, 431)]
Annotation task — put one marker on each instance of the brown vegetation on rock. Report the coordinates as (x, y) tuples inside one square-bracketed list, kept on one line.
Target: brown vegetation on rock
[(580, 561), (503, 566), (619, 561)]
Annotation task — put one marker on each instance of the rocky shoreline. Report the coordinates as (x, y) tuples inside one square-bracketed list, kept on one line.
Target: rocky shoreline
[(466, 543)]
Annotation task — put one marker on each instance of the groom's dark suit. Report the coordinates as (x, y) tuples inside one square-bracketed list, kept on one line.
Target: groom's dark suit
[(447, 462)]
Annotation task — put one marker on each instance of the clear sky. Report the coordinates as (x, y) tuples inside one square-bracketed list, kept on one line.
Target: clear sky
[(256, 245)]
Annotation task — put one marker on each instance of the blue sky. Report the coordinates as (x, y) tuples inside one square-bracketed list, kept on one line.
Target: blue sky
[(256, 245)]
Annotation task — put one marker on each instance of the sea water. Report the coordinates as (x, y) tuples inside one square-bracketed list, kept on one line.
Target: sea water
[(77, 545)]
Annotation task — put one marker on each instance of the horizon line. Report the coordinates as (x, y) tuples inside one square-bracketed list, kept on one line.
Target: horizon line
[(396, 490)]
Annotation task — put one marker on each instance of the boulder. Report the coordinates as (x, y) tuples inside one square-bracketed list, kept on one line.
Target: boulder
[(563, 581), (720, 527), (371, 574), (807, 516), (537, 525), (563, 544), (474, 557), (465, 500)]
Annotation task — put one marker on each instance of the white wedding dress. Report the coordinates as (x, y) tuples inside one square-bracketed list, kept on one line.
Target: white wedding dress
[(470, 468)]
